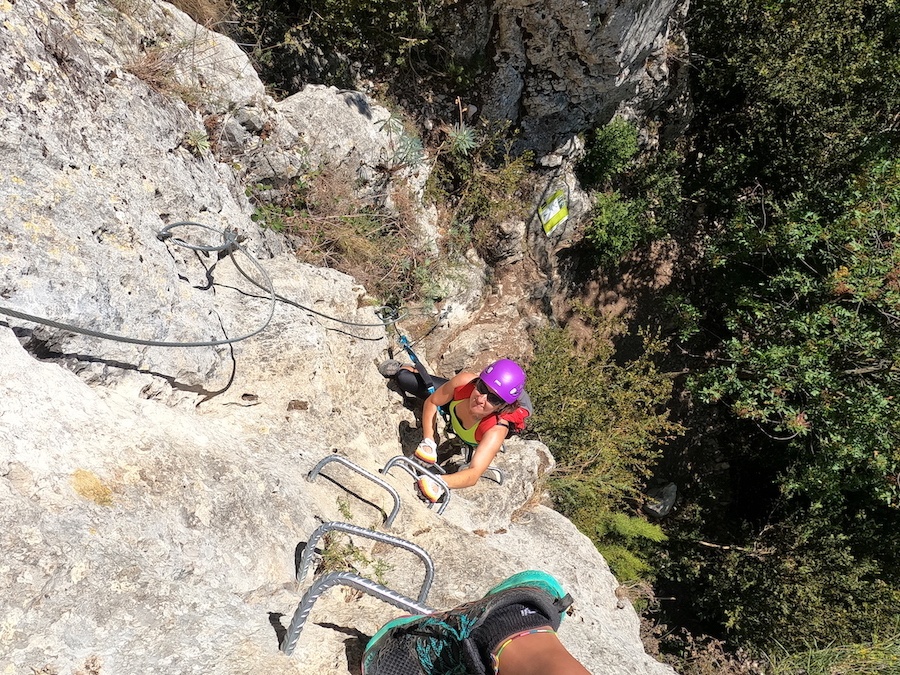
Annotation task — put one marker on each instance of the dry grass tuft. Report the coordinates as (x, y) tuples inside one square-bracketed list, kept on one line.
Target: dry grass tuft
[(331, 226), (155, 67), (690, 655), (91, 487), (211, 14)]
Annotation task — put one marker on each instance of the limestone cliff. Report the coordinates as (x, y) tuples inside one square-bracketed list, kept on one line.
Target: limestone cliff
[(154, 498), (558, 67)]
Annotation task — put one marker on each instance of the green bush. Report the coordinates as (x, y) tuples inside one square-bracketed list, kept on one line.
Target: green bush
[(617, 226), (637, 198), (789, 99), (814, 340), (608, 152), (625, 542), (797, 583), (604, 423), (806, 299)]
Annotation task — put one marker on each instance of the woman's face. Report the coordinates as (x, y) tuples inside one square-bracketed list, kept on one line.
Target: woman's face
[(483, 401)]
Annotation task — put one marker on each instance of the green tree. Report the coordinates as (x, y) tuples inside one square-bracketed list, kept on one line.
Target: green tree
[(811, 362), (604, 423), (813, 355), (790, 536), (791, 98)]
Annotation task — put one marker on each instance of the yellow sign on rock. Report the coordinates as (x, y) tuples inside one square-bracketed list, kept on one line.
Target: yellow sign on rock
[(554, 211)]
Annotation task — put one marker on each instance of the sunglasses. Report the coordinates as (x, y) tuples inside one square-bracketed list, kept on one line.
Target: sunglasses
[(492, 398)]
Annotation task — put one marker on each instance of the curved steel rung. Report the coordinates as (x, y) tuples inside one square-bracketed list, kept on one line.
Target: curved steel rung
[(499, 476), (307, 554), (497, 472), (325, 582), (375, 479), (416, 470)]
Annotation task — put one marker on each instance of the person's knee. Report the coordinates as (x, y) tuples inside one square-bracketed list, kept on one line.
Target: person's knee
[(410, 382)]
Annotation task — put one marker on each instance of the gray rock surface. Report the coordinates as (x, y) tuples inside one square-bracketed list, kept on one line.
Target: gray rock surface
[(152, 499), (557, 68)]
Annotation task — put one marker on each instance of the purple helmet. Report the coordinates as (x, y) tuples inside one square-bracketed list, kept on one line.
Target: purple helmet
[(506, 378)]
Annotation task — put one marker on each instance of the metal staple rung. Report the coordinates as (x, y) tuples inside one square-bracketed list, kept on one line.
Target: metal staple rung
[(375, 479), (320, 531), (325, 582), (416, 470)]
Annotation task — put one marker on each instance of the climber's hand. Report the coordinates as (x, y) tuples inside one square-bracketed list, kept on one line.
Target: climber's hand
[(427, 451), (429, 489)]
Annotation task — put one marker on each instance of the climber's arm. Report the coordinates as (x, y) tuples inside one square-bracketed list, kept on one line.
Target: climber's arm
[(484, 454)]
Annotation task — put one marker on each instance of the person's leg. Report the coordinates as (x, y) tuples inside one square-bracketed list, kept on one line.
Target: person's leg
[(472, 638), (538, 653), (411, 382)]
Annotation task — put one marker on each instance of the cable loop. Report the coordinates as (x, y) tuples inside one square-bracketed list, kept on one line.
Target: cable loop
[(230, 243)]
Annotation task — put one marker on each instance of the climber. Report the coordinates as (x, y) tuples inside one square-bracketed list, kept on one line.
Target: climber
[(510, 631), (483, 410)]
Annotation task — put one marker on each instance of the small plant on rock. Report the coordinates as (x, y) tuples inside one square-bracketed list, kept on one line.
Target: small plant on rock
[(197, 142)]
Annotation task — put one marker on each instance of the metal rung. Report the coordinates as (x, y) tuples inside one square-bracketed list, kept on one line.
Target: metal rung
[(499, 473), (375, 479), (416, 470), (307, 554), (499, 476), (325, 582)]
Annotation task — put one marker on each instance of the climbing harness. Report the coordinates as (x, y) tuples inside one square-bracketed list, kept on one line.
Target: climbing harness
[(491, 473)]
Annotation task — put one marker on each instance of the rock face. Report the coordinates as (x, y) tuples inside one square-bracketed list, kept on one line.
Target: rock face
[(153, 499), (557, 67)]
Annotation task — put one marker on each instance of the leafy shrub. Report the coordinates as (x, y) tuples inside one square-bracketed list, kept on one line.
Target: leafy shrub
[(407, 148), (691, 655), (609, 151), (637, 198), (793, 321), (617, 226), (331, 227), (462, 139), (197, 142), (624, 541), (604, 423), (797, 583), (814, 339), (808, 300)]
